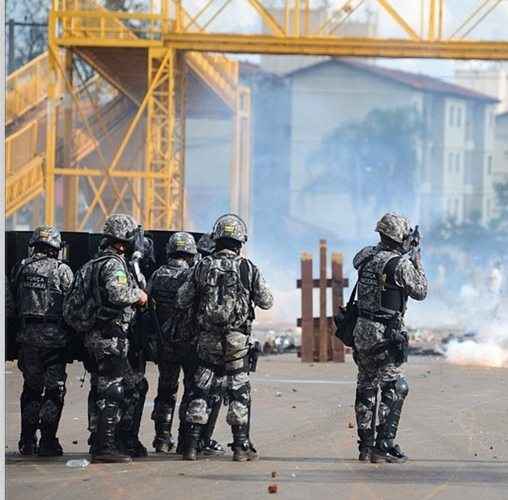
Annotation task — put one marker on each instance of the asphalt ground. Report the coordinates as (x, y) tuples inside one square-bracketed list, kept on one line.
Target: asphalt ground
[(454, 428)]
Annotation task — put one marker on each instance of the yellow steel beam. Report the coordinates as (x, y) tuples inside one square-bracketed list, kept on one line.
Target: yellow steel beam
[(97, 172), (350, 11), (387, 6), (125, 140), (87, 126), (49, 176), (268, 18), (432, 20), (339, 47)]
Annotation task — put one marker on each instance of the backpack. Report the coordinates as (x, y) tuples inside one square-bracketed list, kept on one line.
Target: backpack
[(83, 305), (346, 318), (226, 293)]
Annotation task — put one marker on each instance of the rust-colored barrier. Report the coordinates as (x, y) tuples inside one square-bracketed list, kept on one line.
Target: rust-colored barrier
[(318, 340)]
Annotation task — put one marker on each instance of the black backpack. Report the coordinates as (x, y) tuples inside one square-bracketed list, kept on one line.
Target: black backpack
[(347, 317)]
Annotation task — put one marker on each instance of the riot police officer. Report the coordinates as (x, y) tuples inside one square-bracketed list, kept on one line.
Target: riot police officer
[(224, 289), (177, 345), (388, 274), (207, 445), (108, 342), (39, 284)]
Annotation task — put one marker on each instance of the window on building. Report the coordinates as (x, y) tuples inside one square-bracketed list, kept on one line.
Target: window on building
[(456, 208), (451, 116), (450, 162), (457, 163), (488, 207), (459, 117), (489, 165)]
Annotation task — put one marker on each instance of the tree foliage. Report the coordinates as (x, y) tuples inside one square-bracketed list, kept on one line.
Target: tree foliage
[(375, 158)]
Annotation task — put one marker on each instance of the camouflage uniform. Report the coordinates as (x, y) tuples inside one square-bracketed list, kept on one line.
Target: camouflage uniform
[(177, 351), (223, 350), (387, 277), (108, 342), (39, 284)]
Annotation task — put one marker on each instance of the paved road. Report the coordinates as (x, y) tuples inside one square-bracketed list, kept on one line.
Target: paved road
[(454, 428)]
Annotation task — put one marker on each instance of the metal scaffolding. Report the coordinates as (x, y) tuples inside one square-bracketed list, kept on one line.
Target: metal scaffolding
[(91, 158)]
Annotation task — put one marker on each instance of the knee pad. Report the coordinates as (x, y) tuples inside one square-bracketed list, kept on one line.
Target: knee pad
[(402, 387), (396, 389), (239, 391)]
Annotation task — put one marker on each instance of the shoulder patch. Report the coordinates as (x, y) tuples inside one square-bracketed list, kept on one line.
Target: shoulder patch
[(121, 277)]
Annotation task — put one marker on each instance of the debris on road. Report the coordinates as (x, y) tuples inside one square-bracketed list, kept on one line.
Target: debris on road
[(274, 474), (77, 464), (272, 488)]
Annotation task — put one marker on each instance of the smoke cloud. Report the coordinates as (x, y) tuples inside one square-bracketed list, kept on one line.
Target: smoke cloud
[(490, 346)]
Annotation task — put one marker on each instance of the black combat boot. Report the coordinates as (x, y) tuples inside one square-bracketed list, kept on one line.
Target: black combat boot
[(386, 451), (191, 441), (243, 450), (163, 441), (105, 448), (49, 446), (365, 444), (207, 445), (131, 445), (210, 447), (28, 441), (91, 442)]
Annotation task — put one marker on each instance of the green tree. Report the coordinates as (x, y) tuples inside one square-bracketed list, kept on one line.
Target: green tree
[(374, 159)]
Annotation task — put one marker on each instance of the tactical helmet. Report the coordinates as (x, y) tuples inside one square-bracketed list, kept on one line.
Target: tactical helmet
[(206, 245), (181, 242), (394, 226), (46, 235), (230, 226), (120, 227)]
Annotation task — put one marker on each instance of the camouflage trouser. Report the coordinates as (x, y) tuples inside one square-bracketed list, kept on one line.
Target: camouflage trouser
[(173, 359), (220, 352), (112, 366), (43, 393), (376, 371)]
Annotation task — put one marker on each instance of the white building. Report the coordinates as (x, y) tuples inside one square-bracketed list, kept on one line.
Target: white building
[(501, 148), (487, 78), (456, 174)]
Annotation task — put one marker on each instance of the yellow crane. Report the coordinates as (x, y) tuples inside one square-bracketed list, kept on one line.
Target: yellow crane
[(128, 153)]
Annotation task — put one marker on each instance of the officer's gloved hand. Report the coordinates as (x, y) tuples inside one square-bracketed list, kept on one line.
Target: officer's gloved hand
[(416, 258)]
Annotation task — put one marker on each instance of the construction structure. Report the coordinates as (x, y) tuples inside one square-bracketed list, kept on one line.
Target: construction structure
[(89, 143), (318, 333)]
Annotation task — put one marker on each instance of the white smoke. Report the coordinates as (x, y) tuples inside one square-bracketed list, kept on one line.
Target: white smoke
[(489, 348)]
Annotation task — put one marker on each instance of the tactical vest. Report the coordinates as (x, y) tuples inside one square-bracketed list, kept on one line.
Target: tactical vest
[(37, 287), (165, 286), (175, 323), (378, 294)]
